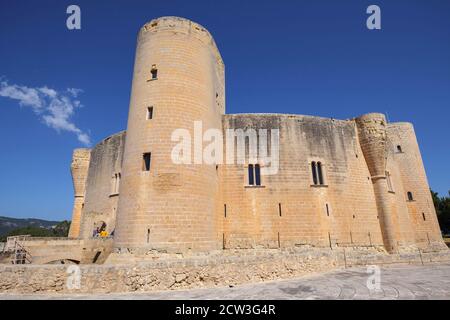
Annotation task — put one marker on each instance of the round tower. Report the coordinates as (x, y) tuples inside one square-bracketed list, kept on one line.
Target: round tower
[(178, 80), (373, 140), (79, 169)]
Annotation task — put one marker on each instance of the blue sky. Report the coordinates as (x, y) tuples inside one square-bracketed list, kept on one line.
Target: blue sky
[(305, 57)]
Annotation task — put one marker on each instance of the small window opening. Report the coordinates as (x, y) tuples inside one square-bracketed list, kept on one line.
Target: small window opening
[(154, 72), (148, 235), (423, 216), (146, 161), (399, 148), (225, 210), (410, 196), (328, 210), (279, 209), (149, 113)]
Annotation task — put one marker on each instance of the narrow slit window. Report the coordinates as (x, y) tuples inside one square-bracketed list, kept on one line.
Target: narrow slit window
[(146, 161), (225, 210), (328, 210), (149, 113), (313, 169), (423, 216), (279, 209), (251, 179), (257, 175)]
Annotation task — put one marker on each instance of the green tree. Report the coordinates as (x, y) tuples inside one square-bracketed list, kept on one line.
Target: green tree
[(60, 230), (442, 206)]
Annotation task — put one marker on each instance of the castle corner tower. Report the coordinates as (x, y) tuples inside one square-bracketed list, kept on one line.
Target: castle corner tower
[(178, 79)]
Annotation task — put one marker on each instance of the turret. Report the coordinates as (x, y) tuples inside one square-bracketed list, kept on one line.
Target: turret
[(178, 79), (79, 169), (373, 140)]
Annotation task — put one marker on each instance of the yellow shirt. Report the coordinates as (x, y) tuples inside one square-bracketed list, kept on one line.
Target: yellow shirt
[(103, 234)]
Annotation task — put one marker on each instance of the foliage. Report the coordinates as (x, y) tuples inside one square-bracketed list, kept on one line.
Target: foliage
[(442, 206), (60, 230)]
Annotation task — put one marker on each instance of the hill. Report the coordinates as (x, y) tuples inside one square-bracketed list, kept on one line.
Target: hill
[(8, 224)]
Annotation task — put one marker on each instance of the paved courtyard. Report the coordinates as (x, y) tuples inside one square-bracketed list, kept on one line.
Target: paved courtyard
[(397, 282)]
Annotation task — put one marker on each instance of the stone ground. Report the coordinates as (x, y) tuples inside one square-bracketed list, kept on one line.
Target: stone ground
[(397, 282)]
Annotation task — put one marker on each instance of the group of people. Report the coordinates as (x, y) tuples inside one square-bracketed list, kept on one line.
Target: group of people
[(100, 233)]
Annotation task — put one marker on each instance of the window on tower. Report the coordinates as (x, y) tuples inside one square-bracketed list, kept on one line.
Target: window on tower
[(154, 72), (149, 113), (146, 158)]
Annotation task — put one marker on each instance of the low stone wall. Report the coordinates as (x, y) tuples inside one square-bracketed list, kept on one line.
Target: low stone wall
[(228, 268)]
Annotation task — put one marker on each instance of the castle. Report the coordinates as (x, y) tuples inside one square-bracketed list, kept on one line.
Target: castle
[(358, 182)]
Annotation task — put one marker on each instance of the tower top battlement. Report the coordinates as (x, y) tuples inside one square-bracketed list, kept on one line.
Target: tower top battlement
[(183, 26)]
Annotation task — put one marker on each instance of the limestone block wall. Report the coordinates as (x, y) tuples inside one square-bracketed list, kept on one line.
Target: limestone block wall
[(412, 178), (171, 206), (79, 170), (103, 185), (253, 217)]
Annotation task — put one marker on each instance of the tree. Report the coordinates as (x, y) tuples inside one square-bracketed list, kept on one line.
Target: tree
[(60, 230), (442, 206)]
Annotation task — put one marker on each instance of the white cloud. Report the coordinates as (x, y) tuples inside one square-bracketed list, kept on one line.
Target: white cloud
[(54, 108)]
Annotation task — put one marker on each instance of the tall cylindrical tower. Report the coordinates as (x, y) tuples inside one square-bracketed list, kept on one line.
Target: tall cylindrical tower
[(79, 169), (178, 80), (373, 139)]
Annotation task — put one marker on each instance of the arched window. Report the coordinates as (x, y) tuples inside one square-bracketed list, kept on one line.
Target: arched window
[(319, 172), (313, 170), (257, 175), (410, 196), (399, 148), (254, 175), (154, 72), (251, 177)]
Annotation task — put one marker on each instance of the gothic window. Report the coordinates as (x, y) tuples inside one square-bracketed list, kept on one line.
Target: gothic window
[(317, 173), (254, 175)]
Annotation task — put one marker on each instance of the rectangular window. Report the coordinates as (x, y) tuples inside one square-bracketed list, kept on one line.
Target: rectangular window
[(251, 179), (146, 158), (149, 113), (225, 210), (279, 209), (254, 175), (257, 175), (154, 73)]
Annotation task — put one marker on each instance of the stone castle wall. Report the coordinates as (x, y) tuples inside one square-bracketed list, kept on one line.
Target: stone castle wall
[(102, 185), (203, 207)]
